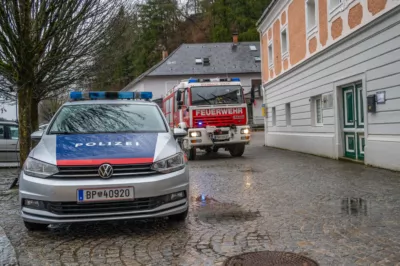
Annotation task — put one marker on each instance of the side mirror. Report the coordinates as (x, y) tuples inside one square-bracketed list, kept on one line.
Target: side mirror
[(179, 133), (37, 135)]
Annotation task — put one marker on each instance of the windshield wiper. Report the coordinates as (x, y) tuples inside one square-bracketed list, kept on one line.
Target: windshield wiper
[(204, 99), (62, 132)]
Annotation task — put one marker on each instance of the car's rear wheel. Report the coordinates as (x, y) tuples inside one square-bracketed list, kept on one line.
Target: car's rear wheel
[(35, 226), (180, 217), (237, 150)]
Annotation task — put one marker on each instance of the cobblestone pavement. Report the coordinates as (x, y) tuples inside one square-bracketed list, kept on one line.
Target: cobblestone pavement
[(337, 213)]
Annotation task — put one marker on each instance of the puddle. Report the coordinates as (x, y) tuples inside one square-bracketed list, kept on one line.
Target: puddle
[(209, 209), (248, 170), (354, 207)]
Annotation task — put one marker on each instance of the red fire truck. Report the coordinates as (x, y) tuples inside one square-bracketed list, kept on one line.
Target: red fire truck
[(212, 111)]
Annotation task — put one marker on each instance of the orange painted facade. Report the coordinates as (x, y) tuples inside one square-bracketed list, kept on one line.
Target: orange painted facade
[(310, 30)]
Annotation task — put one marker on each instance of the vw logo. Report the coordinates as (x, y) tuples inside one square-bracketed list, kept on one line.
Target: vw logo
[(105, 171)]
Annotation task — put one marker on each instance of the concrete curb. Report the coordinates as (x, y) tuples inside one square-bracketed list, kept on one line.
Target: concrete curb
[(8, 257)]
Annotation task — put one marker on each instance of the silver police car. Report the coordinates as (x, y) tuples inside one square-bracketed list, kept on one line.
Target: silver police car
[(105, 156)]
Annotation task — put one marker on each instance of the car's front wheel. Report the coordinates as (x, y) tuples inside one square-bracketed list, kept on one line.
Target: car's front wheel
[(237, 150), (191, 154), (180, 217), (35, 226)]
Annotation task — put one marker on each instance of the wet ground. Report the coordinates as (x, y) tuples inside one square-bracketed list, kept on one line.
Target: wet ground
[(336, 213)]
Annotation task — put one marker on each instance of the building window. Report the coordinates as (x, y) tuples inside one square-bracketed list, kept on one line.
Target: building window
[(288, 114), (253, 48), (270, 55), (333, 4), (317, 111), (284, 42), (335, 7), (273, 116), (257, 59), (199, 61), (311, 14)]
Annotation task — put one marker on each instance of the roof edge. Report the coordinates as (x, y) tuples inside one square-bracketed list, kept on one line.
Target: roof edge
[(266, 12), (147, 72)]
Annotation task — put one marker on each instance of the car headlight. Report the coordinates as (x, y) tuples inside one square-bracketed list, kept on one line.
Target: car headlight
[(195, 134), (170, 164), (245, 131), (33, 167)]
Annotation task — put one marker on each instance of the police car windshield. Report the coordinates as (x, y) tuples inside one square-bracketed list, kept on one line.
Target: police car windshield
[(107, 118), (214, 95)]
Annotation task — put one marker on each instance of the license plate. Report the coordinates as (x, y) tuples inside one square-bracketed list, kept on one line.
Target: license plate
[(104, 194), (221, 137)]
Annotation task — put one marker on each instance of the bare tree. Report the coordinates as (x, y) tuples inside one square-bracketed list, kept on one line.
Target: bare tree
[(46, 45)]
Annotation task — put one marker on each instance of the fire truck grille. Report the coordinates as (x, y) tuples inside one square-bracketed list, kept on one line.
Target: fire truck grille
[(220, 121)]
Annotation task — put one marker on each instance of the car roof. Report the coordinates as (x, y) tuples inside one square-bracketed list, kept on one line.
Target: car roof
[(83, 102), (8, 123)]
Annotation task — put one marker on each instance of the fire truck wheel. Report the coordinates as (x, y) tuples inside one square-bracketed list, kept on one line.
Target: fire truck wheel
[(191, 154), (237, 150), (208, 150), (215, 149)]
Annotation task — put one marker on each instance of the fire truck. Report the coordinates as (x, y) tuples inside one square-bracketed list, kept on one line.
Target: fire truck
[(212, 111)]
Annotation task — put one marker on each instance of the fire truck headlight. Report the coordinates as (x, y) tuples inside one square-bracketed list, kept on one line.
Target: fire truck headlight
[(170, 164), (195, 134), (245, 131)]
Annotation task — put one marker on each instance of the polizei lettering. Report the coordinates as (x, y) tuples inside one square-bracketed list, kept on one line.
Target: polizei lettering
[(110, 143), (220, 111)]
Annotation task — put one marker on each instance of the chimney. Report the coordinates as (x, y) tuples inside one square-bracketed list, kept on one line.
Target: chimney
[(235, 37), (164, 54)]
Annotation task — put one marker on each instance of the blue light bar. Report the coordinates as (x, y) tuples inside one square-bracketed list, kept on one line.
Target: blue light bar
[(213, 79), (98, 95)]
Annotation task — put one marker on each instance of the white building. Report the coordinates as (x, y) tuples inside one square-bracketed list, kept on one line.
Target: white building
[(207, 60), (322, 62)]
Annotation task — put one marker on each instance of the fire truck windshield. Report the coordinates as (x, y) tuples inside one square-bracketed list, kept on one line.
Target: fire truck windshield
[(214, 95)]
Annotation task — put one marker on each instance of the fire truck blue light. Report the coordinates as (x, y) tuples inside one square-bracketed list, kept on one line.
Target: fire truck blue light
[(213, 80), (93, 95)]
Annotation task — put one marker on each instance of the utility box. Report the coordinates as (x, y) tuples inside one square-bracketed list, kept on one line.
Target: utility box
[(371, 103)]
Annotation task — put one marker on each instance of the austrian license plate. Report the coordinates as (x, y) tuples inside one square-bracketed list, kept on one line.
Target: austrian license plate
[(104, 194), (221, 137)]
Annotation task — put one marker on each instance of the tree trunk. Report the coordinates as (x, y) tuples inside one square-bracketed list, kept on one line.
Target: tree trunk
[(24, 117), (35, 114)]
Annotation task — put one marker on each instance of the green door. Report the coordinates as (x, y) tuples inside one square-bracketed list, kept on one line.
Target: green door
[(353, 122)]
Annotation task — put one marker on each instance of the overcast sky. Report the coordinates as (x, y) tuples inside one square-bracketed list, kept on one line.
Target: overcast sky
[(10, 112)]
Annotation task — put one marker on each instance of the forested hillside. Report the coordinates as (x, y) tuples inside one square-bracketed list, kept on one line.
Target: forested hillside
[(138, 34)]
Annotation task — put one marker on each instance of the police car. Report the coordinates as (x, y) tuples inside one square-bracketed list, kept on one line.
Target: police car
[(105, 156)]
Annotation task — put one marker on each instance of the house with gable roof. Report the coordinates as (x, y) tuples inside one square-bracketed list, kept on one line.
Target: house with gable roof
[(207, 60)]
